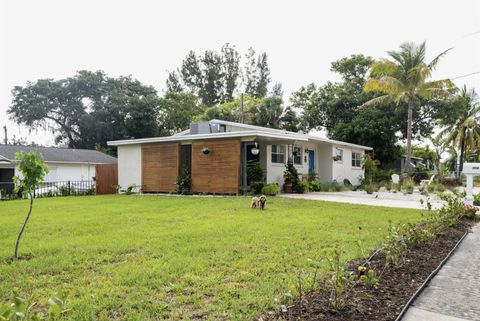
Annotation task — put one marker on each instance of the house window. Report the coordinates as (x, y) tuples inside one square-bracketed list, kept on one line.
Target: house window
[(297, 155), (278, 154), (223, 128), (339, 154), (356, 159)]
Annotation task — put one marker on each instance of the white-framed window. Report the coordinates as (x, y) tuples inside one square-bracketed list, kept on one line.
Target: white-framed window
[(356, 159), (297, 155), (339, 154), (278, 154)]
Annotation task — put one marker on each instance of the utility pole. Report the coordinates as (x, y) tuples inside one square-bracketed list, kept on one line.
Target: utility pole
[(6, 137), (241, 108)]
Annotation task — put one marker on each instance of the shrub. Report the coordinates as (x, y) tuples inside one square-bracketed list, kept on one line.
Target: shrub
[(256, 187), (440, 188), (184, 182), (255, 172), (338, 187), (369, 189), (130, 189), (315, 186), (431, 188), (408, 185), (301, 187), (271, 189), (291, 173), (476, 200)]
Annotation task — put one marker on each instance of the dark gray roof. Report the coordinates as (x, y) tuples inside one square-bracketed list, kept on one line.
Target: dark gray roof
[(55, 154)]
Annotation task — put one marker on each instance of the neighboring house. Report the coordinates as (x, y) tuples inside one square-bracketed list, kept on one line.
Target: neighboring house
[(64, 164), (415, 163), (154, 163)]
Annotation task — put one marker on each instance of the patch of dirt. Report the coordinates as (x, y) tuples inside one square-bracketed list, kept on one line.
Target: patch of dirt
[(384, 301)]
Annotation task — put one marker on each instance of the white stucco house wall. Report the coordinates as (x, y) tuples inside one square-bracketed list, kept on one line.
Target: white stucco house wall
[(64, 164), (331, 160)]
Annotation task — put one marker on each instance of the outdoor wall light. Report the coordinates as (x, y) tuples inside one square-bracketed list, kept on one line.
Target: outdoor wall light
[(255, 149), (205, 150)]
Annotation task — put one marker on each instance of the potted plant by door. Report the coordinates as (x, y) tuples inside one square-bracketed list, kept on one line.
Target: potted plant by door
[(287, 178)]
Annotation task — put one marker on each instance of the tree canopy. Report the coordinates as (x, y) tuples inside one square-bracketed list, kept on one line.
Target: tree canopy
[(217, 77), (87, 109)]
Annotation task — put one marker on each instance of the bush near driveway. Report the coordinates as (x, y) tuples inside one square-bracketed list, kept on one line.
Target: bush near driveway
[(150, 257)]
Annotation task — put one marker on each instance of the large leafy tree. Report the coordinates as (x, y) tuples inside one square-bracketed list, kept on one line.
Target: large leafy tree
[(177, 110), (216, 77), (334, 107), (87, 109), (464, 133), (403, 80), (326, 106)]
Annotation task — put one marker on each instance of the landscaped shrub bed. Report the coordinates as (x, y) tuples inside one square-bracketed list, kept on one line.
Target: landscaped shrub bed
[(379, 288)]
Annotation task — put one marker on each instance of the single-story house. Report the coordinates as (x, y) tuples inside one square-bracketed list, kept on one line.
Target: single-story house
[(217, 152), (64, 164)]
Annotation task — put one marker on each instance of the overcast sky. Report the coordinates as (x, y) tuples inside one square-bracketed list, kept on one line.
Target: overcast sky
[(54, 39)]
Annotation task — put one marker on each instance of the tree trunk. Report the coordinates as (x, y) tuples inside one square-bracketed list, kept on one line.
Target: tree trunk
[(439, 171), (23, 226), (462, 156), (406, 168)]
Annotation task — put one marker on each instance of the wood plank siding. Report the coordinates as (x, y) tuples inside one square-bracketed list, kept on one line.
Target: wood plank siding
[(218, 171), (160, 167)]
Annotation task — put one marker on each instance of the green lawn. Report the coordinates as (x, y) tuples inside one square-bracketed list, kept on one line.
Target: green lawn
[(154, 257)]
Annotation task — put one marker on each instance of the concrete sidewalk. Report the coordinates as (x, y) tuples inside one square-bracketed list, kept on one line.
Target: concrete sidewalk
[(454, 293), (387, 199)]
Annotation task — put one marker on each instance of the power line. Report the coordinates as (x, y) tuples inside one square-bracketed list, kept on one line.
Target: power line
[(467, 75)]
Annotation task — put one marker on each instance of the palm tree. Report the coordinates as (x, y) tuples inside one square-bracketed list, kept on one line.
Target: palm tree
[(403, 80), (464, 134), (439, 148)]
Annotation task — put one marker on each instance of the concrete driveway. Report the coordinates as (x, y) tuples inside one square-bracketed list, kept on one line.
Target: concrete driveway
[(387, 199)]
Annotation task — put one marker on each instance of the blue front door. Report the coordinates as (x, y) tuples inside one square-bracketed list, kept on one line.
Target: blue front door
[(311, 161)]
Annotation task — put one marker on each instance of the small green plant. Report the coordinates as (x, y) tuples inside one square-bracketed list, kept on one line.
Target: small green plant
[(130, 189), (440, 188), (476, 200), (418, 234), (301, 187), (116, 187), (271, 189), (370, 167), (408, 186), (315, 186), (291, 173), (21, 309), (255, 177), (312, 176), (395, 246), (184, 182), (337, 279), (33, 171), (367, 276)]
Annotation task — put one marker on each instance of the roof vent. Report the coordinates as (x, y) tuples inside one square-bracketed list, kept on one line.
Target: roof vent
[(200, 128)]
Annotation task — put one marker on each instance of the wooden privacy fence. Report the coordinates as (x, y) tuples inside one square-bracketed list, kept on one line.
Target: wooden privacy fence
[(106, 178)]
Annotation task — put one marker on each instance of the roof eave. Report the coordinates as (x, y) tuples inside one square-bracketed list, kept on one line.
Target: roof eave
[(238, 134)]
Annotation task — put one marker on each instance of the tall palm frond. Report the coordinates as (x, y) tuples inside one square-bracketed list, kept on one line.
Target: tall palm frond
[(404, 79)]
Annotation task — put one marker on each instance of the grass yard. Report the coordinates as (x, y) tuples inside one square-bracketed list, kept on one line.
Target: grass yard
[(179, 258)]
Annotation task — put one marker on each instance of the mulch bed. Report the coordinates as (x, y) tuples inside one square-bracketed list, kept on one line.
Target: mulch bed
[(394, 288)]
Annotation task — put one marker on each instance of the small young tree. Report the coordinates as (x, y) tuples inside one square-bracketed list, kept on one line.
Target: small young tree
[(33, 171)]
